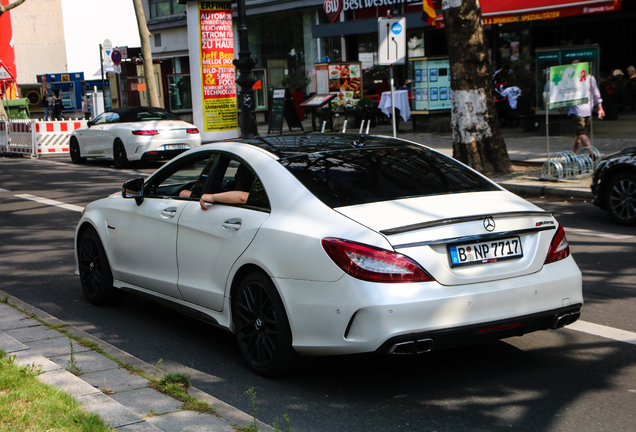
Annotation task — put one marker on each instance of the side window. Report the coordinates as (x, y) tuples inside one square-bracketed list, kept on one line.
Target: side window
[(185, 180), (101, 119), (113, 118), (238, 176)]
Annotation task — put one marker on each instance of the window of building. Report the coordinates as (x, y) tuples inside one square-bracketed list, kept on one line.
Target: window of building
[(179, 88), (160, 8)]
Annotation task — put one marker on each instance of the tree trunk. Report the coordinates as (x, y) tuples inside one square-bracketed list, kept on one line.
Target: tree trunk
[(146, 52), (477, 139)]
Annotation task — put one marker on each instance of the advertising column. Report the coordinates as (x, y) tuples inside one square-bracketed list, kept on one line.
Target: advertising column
[(211, 45)]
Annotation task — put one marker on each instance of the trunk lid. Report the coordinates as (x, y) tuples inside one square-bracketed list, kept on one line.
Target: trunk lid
[(426, 228)]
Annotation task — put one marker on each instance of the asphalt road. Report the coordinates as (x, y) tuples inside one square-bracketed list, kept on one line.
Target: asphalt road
[(565, 380)]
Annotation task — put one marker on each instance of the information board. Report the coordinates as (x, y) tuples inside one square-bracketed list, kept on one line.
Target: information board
[(277, 112)]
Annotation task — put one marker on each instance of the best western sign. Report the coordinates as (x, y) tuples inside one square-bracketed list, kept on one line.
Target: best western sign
[(333, 7)]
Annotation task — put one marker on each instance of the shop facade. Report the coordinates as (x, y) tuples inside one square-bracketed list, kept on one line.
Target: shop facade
[(288, 39)]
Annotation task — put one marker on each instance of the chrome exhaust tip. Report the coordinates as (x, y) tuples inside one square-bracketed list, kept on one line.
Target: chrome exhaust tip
[(412, 347), (562, 320)]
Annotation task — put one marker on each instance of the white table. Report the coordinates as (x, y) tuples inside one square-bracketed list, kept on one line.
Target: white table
[(401, 103)]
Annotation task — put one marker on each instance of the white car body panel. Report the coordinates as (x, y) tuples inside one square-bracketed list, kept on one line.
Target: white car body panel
[(208, 244)]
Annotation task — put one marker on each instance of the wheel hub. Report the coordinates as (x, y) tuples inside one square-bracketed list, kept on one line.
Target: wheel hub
[(258, 324)]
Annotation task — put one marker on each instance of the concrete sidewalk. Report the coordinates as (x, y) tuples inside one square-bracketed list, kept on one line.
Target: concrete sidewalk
[(122, 399)]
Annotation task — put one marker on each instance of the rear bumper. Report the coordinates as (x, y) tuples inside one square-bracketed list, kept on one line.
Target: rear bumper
[(418, 343), (350, 316), (161, 154)]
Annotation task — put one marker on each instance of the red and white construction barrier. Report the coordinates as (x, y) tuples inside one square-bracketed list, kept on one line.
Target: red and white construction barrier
[(37, 138)]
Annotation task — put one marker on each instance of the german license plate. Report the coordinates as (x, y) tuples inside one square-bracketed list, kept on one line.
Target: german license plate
[(485, 252), (175, 146)]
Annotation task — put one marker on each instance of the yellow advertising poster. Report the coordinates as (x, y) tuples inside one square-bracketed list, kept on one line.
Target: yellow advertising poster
[(217, 69)]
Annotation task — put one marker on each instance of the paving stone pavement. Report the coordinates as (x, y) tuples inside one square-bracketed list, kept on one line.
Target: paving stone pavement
[(122, 399)]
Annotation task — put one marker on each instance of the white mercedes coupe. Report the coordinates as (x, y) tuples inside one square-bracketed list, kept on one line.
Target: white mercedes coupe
[(133, 134), (317, 245)]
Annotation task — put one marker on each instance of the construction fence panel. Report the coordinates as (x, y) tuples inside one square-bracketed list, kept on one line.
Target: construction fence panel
[(38, 138)]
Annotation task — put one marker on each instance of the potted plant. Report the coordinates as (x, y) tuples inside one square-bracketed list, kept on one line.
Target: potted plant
[(365, 110)]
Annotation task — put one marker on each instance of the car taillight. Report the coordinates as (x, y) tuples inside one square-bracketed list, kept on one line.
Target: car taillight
[(559, 247), (145, 132), (373, 264), (192, 131)]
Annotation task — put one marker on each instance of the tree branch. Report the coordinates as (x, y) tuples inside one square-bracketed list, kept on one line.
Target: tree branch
[(10, 6)]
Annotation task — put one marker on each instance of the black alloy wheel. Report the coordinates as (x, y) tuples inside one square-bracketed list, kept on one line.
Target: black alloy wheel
[(621, 198), (74, 150), (262, 328), (119, 154), (95, 274)]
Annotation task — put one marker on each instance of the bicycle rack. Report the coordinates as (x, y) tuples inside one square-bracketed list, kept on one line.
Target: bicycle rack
[(567, 164)]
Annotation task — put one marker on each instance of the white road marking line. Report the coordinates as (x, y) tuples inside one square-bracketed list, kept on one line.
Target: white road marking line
[(51, 202), (4, 190), (591, 233), (54, 163), (604, 331)]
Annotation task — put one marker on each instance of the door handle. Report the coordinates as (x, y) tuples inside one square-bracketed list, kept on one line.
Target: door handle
[(168, 213), (234, 226)]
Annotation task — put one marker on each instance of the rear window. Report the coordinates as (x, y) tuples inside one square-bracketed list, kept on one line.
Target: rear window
[(360, 176)]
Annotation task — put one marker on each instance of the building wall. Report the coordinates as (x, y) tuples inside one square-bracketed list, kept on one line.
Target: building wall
[(38, 31)]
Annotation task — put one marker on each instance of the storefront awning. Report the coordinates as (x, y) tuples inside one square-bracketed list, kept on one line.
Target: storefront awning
[(512, 11)]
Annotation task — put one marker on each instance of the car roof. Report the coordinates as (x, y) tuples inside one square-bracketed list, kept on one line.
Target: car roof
[(286, 146), (129, 114)]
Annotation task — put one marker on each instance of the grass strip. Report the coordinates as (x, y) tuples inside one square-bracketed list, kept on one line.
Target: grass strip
[(27, 404)]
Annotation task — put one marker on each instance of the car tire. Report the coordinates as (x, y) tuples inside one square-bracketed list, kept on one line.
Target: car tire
[(621, 198), (95, 273), (261, 327), (74, 151), (119, 155)]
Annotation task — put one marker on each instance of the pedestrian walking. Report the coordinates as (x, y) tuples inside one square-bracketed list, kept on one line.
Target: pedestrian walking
[(583, 112), (45, 104)]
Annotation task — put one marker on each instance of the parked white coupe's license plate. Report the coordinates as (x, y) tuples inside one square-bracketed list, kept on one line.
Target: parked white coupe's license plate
[(485, 252), (175, 146)]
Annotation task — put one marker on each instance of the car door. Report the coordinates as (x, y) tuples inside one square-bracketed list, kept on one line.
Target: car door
[(108, 133), (147, 233), (90, 137), (209, 242)]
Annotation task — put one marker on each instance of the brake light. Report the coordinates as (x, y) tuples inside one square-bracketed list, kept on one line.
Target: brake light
[(145, 132), (559, 247), (192, 131), (373, 264)]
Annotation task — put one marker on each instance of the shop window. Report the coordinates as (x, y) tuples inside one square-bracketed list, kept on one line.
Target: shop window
[(179, 93), (161, 8)]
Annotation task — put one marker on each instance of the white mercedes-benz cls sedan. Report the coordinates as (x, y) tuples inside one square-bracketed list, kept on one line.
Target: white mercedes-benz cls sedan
[(309, 245), (133, 134)]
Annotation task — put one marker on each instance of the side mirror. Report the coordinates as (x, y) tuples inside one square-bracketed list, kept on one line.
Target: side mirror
[(134, 189), (90, 123)]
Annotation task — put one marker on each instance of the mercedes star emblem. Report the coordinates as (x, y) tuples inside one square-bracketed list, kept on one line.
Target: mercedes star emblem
[(489, 223)]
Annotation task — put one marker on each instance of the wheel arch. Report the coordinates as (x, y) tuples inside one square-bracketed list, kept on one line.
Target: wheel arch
[(610, 174), (238, 277), (81, 229)]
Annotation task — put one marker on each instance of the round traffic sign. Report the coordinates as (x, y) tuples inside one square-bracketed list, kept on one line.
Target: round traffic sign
[(116, 57)]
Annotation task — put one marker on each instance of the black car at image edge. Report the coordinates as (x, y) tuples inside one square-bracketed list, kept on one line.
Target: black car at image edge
[(614, 186)]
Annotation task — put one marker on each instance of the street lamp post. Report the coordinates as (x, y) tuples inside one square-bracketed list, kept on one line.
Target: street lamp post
[(245, 63)]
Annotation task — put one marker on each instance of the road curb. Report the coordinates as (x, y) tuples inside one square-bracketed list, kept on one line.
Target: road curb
[(543, 190)]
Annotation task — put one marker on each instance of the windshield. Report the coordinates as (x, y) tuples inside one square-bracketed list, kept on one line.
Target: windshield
[(361, 176)]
